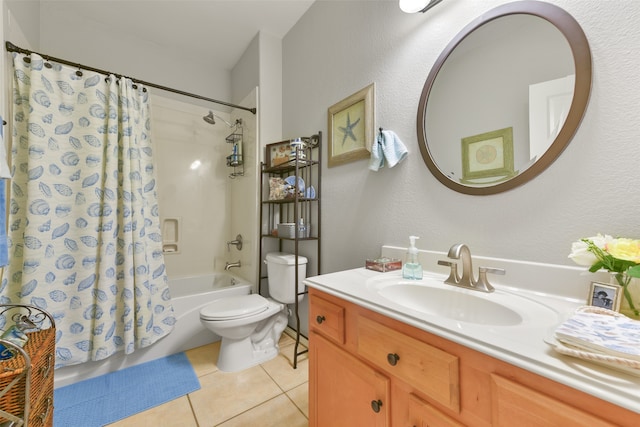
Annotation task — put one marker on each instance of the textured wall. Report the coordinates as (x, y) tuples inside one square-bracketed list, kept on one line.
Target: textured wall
[(338, 48)]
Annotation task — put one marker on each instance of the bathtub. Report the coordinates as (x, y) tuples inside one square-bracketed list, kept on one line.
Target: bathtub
[(188, 296)]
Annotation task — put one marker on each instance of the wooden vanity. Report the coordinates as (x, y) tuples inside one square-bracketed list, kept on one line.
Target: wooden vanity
[(367, 369)]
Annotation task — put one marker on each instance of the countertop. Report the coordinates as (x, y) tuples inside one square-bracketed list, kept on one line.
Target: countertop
[(521, 345)]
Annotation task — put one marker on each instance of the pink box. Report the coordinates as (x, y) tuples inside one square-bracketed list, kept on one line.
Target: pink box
[(383, 264)]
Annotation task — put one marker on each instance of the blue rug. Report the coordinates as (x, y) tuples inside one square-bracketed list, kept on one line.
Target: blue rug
[(117, 395)]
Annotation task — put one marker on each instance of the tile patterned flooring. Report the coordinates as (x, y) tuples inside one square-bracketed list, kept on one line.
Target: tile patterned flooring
[(270, 394)]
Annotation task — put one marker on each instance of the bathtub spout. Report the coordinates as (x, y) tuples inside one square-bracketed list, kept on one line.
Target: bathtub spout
[(228, 265)]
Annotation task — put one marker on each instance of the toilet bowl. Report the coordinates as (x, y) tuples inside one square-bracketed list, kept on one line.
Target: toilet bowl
[(251, 325)]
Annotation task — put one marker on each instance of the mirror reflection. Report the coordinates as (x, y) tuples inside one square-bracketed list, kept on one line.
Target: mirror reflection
[(500, 97)]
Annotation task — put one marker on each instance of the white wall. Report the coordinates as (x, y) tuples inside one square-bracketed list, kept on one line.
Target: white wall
[(242, 196), (196, 198), (338, 48), (66, 34)]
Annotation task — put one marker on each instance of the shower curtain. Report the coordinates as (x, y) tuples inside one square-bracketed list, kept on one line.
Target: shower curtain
[(84, 232)]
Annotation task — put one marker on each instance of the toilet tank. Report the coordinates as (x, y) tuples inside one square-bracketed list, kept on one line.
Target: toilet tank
[(281, 268)]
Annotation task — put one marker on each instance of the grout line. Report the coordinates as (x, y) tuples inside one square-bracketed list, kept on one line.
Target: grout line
[(295, 404), (193, 411)]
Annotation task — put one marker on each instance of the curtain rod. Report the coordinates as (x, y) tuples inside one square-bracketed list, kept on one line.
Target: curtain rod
[(13, 48)]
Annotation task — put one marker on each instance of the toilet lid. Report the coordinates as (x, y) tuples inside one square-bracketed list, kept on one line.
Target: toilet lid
[(234, 307)]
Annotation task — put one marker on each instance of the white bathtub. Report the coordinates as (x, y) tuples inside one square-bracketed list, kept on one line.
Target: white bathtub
[(188, 296)]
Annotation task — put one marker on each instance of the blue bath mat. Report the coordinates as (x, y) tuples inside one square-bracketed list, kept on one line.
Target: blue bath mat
[(117, 395)]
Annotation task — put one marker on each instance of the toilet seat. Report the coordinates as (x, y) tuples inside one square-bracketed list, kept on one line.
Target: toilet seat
[(235, 307)]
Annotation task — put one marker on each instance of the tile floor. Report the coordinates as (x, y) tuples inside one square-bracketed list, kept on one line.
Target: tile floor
[(271, 394)]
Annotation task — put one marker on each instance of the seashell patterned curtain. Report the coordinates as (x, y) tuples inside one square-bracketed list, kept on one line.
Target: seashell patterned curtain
[(84, 231)]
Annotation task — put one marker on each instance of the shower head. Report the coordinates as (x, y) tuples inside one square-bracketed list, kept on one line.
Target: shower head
[(210, 118)]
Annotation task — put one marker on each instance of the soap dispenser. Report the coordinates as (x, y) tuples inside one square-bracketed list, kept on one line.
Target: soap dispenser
[(412, 269)]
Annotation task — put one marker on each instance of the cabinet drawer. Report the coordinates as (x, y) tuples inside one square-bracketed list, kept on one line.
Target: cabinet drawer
[(515, 404), (327, 318), (424, 367)]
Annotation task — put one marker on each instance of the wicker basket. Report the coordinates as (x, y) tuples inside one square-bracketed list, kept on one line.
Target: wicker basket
[(40, 348)]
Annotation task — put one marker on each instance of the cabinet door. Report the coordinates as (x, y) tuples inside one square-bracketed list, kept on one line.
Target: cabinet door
[(421, 414), (515, 404), (343, 390)]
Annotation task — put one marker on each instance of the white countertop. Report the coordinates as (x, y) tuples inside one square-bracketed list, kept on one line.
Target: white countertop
[(521, 345)]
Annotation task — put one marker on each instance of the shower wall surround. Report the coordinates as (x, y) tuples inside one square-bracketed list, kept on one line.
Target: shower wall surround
[(194, 188)]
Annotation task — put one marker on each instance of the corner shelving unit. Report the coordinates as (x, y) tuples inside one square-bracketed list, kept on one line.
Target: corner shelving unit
[(305, 161)]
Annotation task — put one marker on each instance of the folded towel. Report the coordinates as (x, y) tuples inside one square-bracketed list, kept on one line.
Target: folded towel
[(387, 146), (614, 335)]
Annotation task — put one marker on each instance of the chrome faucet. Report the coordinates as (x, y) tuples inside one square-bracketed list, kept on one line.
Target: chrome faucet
[(229, 265), (466, 280), (237, 243)]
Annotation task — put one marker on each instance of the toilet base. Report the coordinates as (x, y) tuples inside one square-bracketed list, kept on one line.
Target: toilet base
[(261, 346), (237, 355)]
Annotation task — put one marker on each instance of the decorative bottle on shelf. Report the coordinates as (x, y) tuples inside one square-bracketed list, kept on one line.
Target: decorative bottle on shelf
[(16, 335)]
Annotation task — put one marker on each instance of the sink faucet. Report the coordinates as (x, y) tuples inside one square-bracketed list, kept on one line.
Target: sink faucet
[(237, 242), (229, 265), (466, 280)]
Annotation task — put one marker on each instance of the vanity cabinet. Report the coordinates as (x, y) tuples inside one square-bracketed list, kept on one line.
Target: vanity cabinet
[(362, 361)]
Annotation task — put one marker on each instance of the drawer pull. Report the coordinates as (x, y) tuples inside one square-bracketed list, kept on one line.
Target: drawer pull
[(376, 405), (393, 358), (320, 319)]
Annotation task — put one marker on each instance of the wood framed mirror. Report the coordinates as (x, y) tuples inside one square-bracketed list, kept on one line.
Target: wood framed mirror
[(524, 65)]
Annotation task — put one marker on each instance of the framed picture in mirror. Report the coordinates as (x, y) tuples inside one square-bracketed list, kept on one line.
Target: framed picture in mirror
[(351, 127), (605, 296), (488, 155)]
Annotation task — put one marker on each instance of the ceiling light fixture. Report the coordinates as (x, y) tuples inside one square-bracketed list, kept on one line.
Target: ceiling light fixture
[(415, 6)]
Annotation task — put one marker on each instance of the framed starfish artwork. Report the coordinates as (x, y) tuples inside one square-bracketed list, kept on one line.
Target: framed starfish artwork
[(351, 127)]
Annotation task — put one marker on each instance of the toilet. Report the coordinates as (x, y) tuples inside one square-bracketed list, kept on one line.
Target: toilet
[(251, 325)]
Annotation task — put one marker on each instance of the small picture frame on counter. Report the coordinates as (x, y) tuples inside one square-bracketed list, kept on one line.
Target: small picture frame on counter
[(605, 296)]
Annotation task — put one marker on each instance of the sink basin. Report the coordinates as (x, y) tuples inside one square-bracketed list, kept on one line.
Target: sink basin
[(431, 296)]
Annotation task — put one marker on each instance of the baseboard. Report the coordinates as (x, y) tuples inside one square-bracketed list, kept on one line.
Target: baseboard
[(292, 333)]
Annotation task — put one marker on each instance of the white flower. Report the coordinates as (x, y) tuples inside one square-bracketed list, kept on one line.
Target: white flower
[(580, 253)]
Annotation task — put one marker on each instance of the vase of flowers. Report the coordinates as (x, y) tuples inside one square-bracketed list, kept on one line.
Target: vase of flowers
[(621, 258)]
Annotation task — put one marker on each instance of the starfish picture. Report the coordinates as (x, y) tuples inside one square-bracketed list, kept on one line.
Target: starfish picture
[(348, 129)]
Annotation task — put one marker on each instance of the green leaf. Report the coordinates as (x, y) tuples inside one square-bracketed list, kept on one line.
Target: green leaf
[(634, 271)]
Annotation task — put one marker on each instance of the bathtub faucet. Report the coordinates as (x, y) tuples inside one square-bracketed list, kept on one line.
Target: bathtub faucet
[(237, 242), (228, 265)]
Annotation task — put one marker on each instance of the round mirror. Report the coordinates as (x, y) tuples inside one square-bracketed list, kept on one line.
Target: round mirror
[(504, 98)]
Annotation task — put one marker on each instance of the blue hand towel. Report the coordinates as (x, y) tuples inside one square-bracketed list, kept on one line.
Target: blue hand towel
[(377, 155), (389, 147)]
